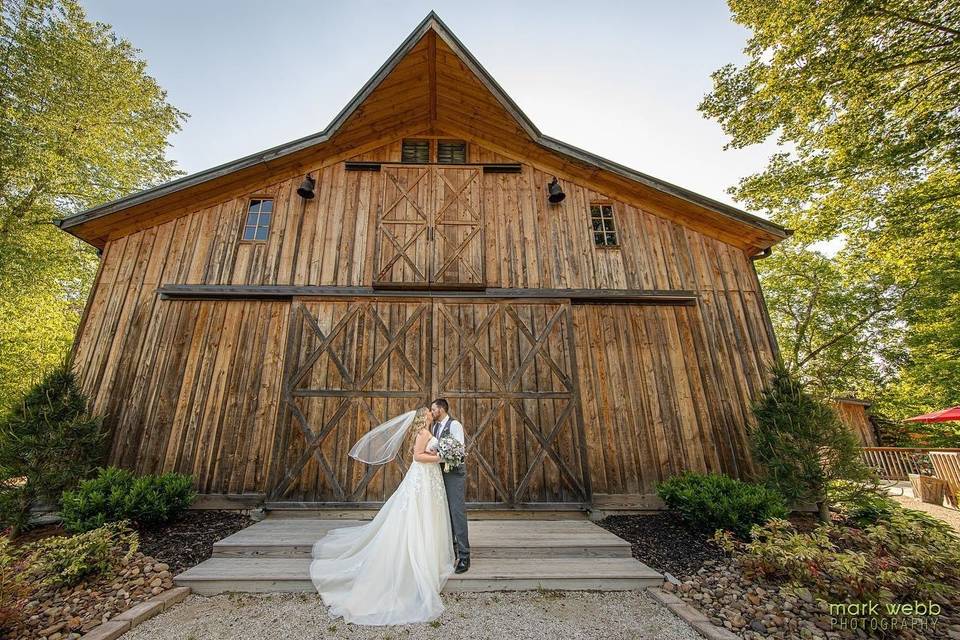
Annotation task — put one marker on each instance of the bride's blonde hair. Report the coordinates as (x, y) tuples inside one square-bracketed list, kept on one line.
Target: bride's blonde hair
[(419, 422)]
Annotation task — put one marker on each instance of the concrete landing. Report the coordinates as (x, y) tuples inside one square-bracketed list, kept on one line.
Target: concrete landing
[(506, 555)]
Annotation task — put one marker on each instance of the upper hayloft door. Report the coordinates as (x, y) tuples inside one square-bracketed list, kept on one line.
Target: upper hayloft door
[(457, 232), (430, 228)]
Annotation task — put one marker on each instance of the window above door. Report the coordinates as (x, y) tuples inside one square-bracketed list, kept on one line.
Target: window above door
[(451, 152), (415, 151), (429, 151)]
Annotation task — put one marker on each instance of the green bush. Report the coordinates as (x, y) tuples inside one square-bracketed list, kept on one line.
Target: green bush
[(155, 500), (116, 494), (860, 503), (48, 443), (905, 556), (61, 561), (800, 443), (715, 501)]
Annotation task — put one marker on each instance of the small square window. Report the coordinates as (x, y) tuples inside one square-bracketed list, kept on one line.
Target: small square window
[(452, 152), (257, 226), (416, 151), (602, 224)]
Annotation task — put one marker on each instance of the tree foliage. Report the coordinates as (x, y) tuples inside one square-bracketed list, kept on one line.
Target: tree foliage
[(48, 444), (81, 123), (800, 442), (830, 317), (864, 96)]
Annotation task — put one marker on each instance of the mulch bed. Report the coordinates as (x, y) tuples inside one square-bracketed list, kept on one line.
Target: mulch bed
[(188, 541), (662, 542)]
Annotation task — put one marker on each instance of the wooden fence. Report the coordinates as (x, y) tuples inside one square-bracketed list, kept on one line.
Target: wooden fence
[(894, 463)]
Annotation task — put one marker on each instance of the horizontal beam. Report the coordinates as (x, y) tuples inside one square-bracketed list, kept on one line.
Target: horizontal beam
[(283, 292), (228, 500), (291, 505)]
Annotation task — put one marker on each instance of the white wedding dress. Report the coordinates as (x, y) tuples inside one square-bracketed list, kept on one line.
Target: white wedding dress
[(392, 569)]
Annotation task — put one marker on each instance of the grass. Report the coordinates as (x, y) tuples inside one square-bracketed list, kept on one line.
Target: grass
[(551, 594)]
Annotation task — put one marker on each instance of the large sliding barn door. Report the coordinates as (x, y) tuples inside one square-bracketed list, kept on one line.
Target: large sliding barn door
[(351, 364), (430, 228), (507, 369)]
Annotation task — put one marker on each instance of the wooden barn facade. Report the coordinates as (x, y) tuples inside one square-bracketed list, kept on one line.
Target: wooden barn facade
[(247, 335)]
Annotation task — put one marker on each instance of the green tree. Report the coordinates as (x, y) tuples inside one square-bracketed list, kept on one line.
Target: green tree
[(828, 315), (81, 123), (800, 443), (48, 443), (864, 95)]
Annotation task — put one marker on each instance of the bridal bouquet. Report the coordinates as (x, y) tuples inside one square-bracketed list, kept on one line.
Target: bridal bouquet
[(451, 452)]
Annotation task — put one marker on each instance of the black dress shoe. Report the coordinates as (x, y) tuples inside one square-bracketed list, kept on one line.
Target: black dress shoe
[(462, 565)]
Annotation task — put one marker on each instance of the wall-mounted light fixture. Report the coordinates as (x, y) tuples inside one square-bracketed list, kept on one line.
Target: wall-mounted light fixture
[(556, 193), (306, 189)]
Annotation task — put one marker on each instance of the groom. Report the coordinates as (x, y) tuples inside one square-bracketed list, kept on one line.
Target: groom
[(455, 482)]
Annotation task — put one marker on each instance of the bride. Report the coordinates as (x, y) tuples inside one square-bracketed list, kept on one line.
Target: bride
[(391, 570)]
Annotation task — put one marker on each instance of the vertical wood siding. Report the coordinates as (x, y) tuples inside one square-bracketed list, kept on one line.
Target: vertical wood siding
[(664, 390), (194, 386)]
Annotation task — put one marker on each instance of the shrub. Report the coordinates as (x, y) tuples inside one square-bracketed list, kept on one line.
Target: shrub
[(15, 501), (116, 494), (61, 561), (715, 501), (907, 555), (860, 503), (801, 444), (155, 500), (47, 444)]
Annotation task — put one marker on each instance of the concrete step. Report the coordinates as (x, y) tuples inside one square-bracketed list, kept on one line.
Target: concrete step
[(264, 575), (507, 539)]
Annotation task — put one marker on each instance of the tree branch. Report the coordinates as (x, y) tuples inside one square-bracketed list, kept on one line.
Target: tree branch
[(921, 23)]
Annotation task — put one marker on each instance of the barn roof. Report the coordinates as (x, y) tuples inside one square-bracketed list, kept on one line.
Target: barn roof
[(435, 55)]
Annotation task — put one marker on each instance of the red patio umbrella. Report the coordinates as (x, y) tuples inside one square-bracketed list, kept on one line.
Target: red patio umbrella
[(944, 415)]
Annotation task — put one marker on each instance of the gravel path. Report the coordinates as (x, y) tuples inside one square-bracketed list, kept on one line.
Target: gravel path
[(494, 616), (948, 515)]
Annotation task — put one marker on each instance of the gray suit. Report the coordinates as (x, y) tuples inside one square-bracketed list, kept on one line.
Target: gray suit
[(455, 483)]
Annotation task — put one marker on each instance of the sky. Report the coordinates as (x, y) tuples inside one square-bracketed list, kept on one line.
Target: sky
[(619, 79)]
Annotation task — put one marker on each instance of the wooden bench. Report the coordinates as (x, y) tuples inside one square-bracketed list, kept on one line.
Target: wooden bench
[(946, 466)]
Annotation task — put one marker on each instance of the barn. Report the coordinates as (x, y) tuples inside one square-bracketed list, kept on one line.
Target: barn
[(595, 329)]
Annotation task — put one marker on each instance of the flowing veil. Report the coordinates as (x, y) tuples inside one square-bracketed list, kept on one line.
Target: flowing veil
[(381, 444)]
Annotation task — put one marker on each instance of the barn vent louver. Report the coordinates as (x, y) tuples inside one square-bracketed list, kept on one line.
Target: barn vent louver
[(416, 151)]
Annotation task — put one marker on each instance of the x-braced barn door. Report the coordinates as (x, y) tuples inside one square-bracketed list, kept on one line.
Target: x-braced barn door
[(351, 364), (403, 226), (507, 368), (430, 228), (457, 228)]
